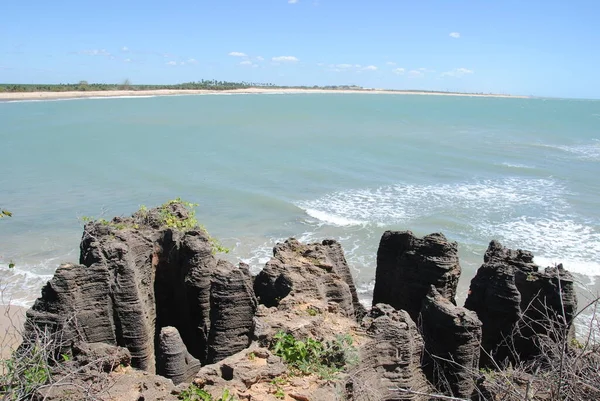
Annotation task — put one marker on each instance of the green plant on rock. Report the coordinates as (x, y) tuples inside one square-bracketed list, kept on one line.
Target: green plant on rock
[(194, 393), (278, 382), (5, 213), (312, 356), (171, 220), (312, 311), (280, 394), (24, 373)]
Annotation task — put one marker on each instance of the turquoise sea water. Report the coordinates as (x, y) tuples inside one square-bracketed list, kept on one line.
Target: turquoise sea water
[(313, 166)]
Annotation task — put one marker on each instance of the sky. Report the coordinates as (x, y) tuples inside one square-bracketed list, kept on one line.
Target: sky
[(522, 47)]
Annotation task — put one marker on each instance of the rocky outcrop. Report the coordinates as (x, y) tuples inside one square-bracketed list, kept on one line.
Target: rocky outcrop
[(408, 266), (140, 274), (232, 308), (390, 359), (243, 373), (311, 272), (101, 356), (452, 337), (174, 361), (149, 291), (519, 305)]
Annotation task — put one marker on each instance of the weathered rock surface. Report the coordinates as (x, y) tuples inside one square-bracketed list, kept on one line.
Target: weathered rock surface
[(311, 272), (518, 304), (174, 360), (125, 384), (390, 359), (232, 308), (101, 356), (452, 337), (408, 266), (140, 274), (240, 372)]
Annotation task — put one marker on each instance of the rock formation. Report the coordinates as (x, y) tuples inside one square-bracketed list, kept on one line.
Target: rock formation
[(241, 373), (408, 266), (390, 359), (315, 272), (518, 304), (148, 290), (175, 362), (452, 337), (140, 274)]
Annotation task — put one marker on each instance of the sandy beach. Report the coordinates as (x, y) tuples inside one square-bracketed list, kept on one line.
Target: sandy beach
[(11, 324), (8, 96)]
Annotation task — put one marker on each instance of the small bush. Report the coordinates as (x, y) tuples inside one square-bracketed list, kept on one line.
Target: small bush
[(194, 393), (166, 215), (312, 356)]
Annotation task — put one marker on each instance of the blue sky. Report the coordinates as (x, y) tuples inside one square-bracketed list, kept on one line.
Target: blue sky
[(528, 47)]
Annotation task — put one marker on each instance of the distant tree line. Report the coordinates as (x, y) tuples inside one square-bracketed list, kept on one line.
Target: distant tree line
[(127, 85)]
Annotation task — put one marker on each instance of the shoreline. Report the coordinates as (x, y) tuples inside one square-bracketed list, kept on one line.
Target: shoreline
[(17, 96)]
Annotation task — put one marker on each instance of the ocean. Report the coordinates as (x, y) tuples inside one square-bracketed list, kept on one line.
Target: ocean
[(312, 166)]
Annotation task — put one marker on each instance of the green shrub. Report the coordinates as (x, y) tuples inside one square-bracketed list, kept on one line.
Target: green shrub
[(24, 373), (312, 356), (166, 218), (194, 393)]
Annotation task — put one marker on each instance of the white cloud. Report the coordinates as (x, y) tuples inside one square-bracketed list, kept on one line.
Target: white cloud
[(390, 63), (95, 52), (246, 62), (423, 69), (455, 35), (345, 67), (238, 54), (125, 49), (399, 71), (182, 63), (127, 60), (457, 72), (292, 1), (285, 59), (416, 74), (172, 63), (259, 58)]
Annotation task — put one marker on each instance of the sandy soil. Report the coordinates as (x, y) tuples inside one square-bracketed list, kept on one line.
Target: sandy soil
[(11, 324), (4, 96)]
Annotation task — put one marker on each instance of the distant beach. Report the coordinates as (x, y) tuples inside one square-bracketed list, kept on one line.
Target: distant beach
[(8, 96)]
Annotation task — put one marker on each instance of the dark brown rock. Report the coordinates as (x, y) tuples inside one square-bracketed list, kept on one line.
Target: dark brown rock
[(232, 308), (174, 360), (102, 356), (519, 305), (408, 266), (390, 359), (138, 275), (240, 371), (315, 272), (452, 337)]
